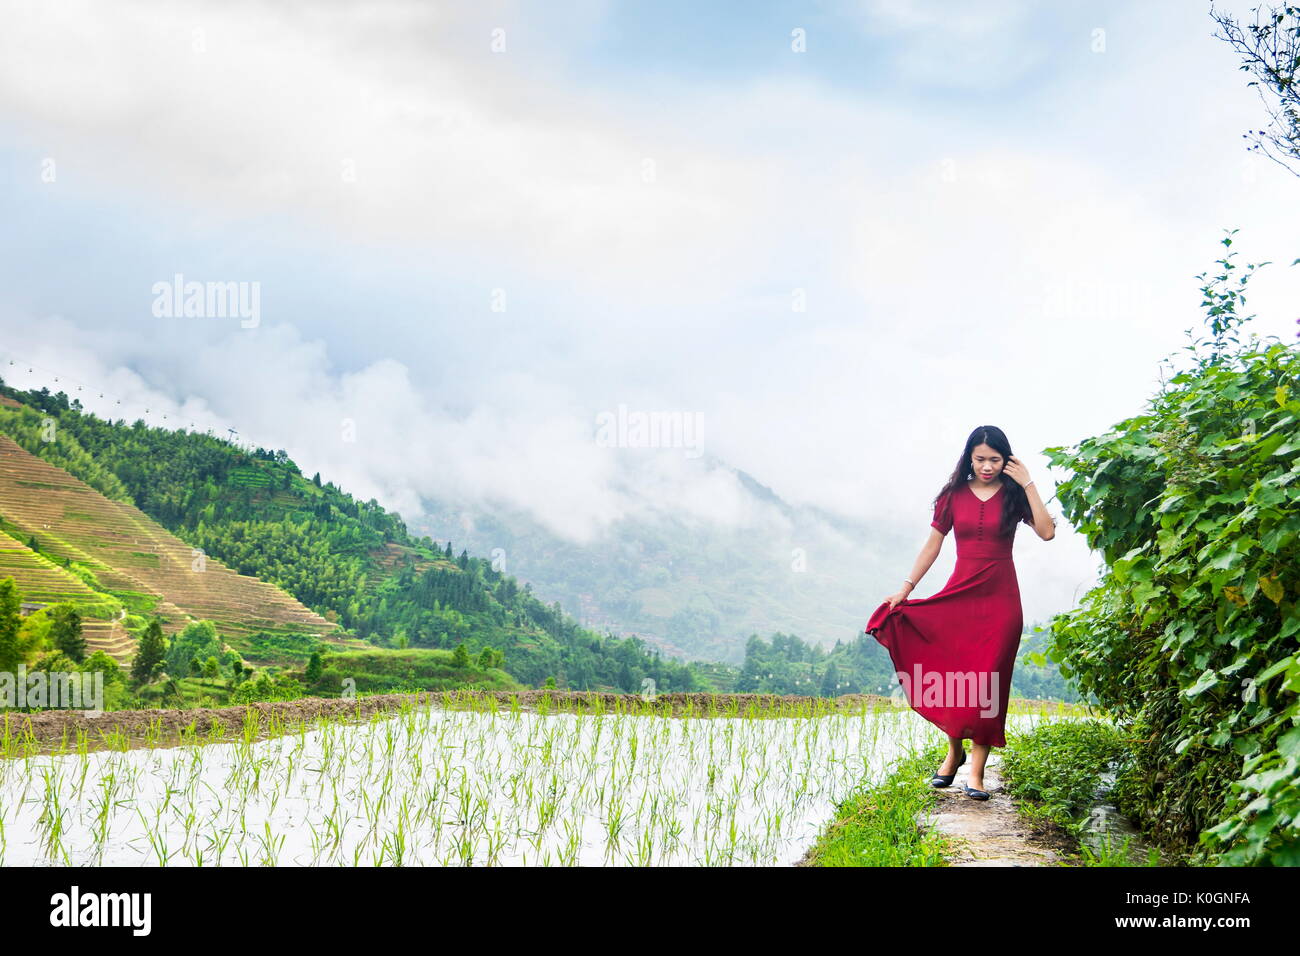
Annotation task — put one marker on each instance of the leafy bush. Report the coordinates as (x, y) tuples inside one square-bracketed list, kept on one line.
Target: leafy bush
[(111, 669), (264, 688), (1059, 764), (1191, 634), (196, 641)]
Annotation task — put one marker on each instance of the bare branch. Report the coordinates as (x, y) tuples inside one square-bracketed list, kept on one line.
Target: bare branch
[(1270, 49)]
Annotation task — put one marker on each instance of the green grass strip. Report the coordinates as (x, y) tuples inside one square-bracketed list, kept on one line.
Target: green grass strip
[(880, 825)]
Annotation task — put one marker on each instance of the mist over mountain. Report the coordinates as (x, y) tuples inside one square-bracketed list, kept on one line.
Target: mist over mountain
[(689, 583)]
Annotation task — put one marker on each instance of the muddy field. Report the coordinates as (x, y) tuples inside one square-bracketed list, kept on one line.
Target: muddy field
[(60, 730)]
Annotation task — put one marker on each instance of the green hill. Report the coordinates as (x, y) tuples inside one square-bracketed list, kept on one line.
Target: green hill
[(352, 565)]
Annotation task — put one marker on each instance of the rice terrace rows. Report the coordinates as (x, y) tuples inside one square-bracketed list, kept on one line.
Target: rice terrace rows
[(130, 555)]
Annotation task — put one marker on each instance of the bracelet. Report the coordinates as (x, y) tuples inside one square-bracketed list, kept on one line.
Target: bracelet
[(1028, 483), (910, 581)]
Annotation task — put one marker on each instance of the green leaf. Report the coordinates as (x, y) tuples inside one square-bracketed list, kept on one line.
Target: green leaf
[(1204, 682), (1241, 661), (1288, 745), (1292, 682), (1223, 560), (1274, 669)]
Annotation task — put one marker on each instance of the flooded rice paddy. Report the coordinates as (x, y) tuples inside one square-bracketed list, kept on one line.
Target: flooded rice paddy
[(435, 787)]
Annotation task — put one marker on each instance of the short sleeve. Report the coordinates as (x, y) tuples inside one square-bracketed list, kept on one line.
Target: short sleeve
[(942, 516)]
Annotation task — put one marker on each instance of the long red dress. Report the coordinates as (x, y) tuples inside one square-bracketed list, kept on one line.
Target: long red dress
[(953, 651)]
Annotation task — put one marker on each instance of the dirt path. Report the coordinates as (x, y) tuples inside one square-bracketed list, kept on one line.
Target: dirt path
[(990, 832)]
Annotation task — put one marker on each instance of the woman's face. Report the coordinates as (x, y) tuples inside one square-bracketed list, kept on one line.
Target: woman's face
[(986, 463)]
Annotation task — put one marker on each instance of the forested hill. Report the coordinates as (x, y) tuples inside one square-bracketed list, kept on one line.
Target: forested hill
[(350, 561)]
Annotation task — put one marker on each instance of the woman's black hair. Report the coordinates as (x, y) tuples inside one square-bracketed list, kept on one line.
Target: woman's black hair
[(1015, 503)]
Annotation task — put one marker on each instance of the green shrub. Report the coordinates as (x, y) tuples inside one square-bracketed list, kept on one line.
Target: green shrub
[(264, 688), (1060, 764), (1190, 636)]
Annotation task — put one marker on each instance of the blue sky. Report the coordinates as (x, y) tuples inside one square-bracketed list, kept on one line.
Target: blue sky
[(993, 212)]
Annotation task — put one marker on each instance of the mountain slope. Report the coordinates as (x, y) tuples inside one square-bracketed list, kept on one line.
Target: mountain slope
[(131, 557), (350, 562)]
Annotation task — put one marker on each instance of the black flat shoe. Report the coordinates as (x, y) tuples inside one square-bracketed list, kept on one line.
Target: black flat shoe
[(975, 794), (945, 779)]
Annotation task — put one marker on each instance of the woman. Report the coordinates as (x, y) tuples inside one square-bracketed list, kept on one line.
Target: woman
[(953, 652)]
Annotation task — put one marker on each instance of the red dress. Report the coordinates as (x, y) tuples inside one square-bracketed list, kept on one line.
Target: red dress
[(953, 651)]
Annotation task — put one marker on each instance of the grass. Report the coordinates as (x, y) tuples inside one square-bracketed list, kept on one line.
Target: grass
[(879, 825)]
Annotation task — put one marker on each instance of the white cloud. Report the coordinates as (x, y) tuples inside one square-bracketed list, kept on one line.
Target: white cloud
[(396, 124), (373, 433)]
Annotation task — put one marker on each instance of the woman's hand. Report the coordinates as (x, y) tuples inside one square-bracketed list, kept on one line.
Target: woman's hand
[(893, 599), (1018, 472)]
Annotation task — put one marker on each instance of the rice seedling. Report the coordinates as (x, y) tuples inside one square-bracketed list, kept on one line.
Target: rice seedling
[(270, 846)]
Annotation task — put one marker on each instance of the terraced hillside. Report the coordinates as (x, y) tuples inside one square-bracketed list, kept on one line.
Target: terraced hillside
[(134, 559), (41, 581)]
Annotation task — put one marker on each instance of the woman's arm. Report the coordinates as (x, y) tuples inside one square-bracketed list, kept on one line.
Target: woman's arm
[(929, 551), (1044, 526)]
